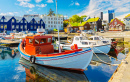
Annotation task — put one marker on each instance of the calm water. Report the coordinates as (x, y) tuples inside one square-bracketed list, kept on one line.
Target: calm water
[(16, 69)]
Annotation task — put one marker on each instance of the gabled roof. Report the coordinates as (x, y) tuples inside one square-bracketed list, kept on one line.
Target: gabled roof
[(117, 19), (93, 19), (127, 16)]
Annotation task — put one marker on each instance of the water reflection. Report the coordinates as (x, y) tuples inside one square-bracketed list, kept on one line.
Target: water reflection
[(38, 73)]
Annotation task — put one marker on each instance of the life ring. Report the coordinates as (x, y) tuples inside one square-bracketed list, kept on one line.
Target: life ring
[(32, 59)]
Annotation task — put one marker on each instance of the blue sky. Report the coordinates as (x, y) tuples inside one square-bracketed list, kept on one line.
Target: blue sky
[(66, 7)]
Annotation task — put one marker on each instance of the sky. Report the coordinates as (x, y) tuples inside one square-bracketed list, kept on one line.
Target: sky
[(66, 7)]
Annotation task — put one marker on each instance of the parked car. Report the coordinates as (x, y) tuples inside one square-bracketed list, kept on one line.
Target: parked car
[(102, 31), (90, 32)]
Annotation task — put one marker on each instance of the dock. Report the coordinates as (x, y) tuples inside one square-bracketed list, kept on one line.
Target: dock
[(9, 41)]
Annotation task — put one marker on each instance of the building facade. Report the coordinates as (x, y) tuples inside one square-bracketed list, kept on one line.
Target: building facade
[(116, 25), (111, 15), (10, 23), (52, 22), (127, 22)]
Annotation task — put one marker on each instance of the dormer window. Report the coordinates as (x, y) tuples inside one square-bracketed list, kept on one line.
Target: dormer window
[(21, 21), (1, 20), (25, 21), (35, 22), (31, 22), (13, 20)]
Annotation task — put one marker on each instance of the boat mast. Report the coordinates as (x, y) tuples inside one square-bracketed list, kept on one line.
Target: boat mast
[(58, 28)]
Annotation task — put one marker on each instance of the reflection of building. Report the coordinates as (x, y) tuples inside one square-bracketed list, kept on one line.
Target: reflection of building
[(111, 15), (116, 25), (127, 21)]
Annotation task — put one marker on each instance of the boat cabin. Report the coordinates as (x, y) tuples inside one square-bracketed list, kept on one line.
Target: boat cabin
[(96, 38), (39, 45)]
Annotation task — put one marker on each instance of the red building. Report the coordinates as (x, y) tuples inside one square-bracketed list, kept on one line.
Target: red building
[(116, 25)]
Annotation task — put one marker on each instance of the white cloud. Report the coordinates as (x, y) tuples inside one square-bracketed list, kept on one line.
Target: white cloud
[(23, 0), (28, 11), (122, 16), (96, 6), (76, 3), (42, 5), (9, 13), (26, 4), (50, 1), (37, 1)]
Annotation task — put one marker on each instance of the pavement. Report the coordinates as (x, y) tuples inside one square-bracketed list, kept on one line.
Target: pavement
[(122, 73)]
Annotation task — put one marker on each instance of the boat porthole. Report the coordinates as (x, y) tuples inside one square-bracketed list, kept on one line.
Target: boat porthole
[(32, 59)]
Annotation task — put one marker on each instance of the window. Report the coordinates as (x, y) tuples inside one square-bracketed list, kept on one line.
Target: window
[(85, 27), (51, 25), (35, 22), (5, 26), (51, 18), (54, 26), (48, 18), (17, 26), (21, 26), (61, 22), (25, 26), (96, 38), (42, 26), (85, 43), (76, 38), (31, 41), (58, 22), (54, 22), (1, 20), (38, 22), (36, 41), (51, 22), (43, 41), (1, 25), (12, 20), (92, 43), (38, 26), (25, 21), (31, 22), (12, 26), (31, 27), (21, 21), (17, 21), (49, 39), (35, 27)]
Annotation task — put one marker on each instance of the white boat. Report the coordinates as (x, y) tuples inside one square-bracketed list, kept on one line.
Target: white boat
[(83, 42)]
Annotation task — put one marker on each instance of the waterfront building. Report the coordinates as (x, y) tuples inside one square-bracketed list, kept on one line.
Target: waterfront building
[(105, 25), (10, 23), (52, 22), (116, 25), (74, 27), (96, 23), (111, 15), (127, 22)]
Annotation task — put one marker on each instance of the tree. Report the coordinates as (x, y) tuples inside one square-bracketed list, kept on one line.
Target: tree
[(76, 18), (51, 13), (65, 23)]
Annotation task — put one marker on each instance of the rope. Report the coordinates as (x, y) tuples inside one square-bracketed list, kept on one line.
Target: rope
[(106, 54), (104, 61)]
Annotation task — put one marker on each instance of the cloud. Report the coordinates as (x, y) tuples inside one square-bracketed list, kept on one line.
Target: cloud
[(76, 3), (96, 6), (23, 0), (37, 1), (50, 1), (26, 4), (42, 5), (9, 13), (28, 11)]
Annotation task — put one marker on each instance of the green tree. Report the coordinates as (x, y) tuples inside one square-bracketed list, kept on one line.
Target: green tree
[(51, 13), (76, 18), (65, 23)]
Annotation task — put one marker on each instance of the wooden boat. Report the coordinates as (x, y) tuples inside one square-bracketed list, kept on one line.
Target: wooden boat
[(39, 49), (84, 43)]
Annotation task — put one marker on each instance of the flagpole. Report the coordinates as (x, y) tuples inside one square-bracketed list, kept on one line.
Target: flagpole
[(58, 28)]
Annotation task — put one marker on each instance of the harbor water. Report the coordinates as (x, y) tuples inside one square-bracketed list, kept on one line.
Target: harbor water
[(17, 69)]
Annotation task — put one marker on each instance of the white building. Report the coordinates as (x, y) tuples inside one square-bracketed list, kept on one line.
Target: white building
[(127, 21), (105, 24), (52, 22)]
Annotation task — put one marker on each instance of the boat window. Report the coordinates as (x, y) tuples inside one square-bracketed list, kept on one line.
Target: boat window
[(101, 37), (96, 38), (43, 41), (92, 43), (49, 39), (91, 38), (85, 43), (31, 41), (36, 41), (76, 38), (83, 38), (105, 41)]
